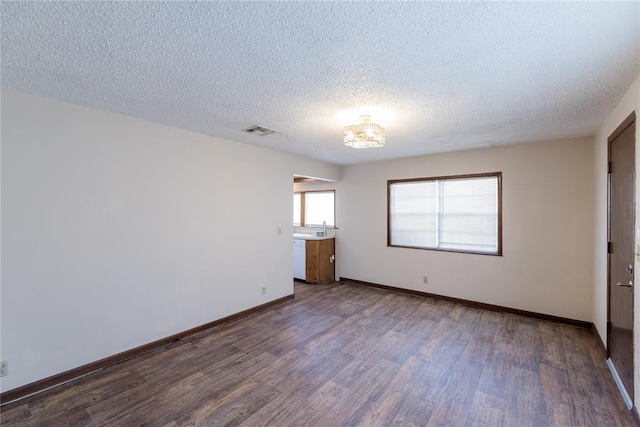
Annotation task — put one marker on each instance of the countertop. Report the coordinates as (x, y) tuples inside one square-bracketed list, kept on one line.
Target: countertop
[(307, 236)]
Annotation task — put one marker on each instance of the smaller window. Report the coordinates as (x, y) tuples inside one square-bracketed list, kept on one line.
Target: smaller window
[(311, 208), (297, 209)]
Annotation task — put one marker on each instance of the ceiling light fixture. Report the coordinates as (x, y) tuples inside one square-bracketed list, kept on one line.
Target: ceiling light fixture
[(364, 134)]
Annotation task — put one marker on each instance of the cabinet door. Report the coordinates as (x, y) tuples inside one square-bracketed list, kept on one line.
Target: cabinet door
[(326, 268), (320, 269), (312, 258)]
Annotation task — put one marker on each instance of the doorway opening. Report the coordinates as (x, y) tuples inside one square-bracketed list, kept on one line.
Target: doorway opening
[(314, 230)]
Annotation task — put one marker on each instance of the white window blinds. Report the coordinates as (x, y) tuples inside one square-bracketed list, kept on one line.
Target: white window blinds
[(453, 213)]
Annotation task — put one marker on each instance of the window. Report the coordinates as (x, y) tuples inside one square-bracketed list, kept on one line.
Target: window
[(455, 213), (297, 209), (311, 208)]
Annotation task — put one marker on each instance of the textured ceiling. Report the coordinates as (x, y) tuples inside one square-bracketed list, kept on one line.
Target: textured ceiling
[(439, 76)]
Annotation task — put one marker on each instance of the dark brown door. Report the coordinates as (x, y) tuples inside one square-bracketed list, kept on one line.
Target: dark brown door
[(621, 253)]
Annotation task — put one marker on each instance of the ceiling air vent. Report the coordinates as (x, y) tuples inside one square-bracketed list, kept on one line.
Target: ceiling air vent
[(259, 130)]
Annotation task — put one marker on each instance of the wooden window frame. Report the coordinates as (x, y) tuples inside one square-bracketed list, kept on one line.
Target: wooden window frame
[(303, 208), (497, 175)]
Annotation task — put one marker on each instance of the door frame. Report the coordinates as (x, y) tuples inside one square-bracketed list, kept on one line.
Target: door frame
[(621, 128)]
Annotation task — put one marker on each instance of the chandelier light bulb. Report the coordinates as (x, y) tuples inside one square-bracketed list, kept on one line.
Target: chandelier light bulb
[(365, 134)]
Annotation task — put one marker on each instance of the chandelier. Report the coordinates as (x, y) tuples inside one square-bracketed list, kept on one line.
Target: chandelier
[(364, 134)]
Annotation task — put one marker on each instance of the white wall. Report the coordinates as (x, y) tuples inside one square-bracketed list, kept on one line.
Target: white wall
[(630, 102), (547, 223), (118, 232)]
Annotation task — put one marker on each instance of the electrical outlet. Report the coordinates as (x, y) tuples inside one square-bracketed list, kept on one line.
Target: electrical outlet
[(264, 290), (4, 368), (279, 230), (425, 279)]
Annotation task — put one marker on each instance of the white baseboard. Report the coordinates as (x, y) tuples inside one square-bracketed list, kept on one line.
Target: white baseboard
[(623, 391)]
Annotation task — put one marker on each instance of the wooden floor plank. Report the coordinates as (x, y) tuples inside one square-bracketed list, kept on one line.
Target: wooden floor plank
[(524, 398), (486, 410), (453, 405), (350, 355)]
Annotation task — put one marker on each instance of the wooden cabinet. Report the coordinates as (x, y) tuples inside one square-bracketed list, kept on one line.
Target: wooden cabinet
[(321, 261)]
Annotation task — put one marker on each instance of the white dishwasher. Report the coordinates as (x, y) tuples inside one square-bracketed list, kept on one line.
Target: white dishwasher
[(300, 259)]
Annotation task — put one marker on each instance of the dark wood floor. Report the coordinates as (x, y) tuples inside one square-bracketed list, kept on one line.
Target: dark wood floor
[(350, 355)]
